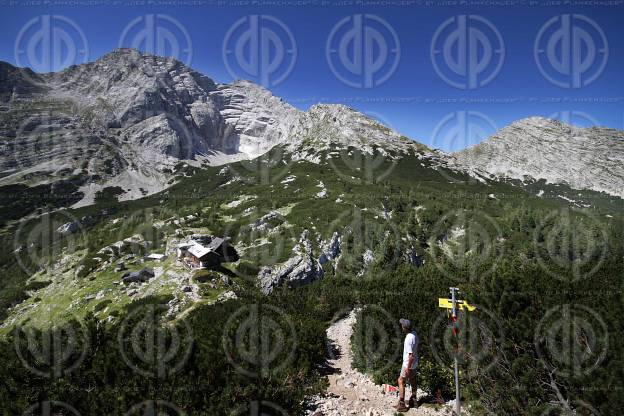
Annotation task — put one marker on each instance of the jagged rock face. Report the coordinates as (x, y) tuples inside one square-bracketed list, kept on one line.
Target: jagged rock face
[(129, 89), (16, 82), (164, 138), (254, 120), (133, 86), (127, 120), (331, 250), (584, 158), (327, 125), (297, 271)]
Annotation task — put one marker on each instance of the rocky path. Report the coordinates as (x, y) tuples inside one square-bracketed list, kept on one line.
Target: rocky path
[(353, 393)]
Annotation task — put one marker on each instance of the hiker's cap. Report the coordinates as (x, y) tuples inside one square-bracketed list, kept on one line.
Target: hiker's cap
[(405, 323)]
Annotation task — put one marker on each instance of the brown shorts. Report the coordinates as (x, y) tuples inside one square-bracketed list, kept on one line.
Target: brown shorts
[(404, 371)]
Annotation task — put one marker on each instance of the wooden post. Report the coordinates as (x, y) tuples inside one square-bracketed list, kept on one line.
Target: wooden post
[(454, 290)]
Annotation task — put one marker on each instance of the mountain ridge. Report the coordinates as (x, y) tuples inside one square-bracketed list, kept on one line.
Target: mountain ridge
[(135, 122), (541, 148), (142, 115)]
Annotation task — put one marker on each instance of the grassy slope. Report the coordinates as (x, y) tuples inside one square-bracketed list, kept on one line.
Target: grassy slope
[(229, 202), (419, 198)]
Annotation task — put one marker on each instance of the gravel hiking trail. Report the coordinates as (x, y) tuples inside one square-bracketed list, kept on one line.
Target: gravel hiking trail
[(353, 393)]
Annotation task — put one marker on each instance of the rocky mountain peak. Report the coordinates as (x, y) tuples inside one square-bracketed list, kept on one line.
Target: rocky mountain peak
[(130, 71), (541, 148), (19, 82), (128, 118), (536, 121), (329, 125), (141, 114), (330, 109), (133, 59), (124, 53)]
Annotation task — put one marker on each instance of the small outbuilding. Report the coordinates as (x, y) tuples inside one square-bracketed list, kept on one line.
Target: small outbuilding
[(156, 257)]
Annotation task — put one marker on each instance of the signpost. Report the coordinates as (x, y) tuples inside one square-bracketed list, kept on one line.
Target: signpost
[(462, 305), (454, 304)]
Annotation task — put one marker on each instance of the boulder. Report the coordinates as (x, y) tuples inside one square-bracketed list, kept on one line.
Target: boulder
[(368, 257), (266, 221), (68, 228), (227, 296), (140, 276)]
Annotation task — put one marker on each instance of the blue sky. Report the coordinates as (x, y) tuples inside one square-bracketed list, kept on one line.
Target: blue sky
[(481, 76)]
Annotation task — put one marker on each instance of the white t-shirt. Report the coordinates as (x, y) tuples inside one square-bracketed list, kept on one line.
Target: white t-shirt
[(410, 346)]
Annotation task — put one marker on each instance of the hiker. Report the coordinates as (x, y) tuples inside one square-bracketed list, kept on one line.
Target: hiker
[(410, 363)]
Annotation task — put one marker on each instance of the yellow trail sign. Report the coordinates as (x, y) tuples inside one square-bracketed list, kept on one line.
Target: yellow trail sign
[(448, 304)]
